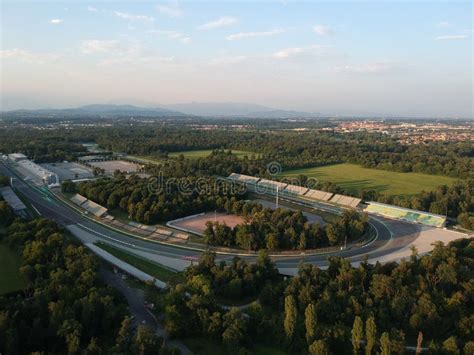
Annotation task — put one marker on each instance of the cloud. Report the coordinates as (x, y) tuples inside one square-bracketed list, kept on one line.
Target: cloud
[(92, 9), (294, 51), (181, 37), (131, 17), (219, 23), (92, 46), (451, 37), (25, 56), (229, 60), (136, 59), (373, 68), (171, 10), (116, 52), (443, 24), (242, 35), (56, 21), (323, 30)]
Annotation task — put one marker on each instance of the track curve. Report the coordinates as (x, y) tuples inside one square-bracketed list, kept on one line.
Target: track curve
[(391, 235)]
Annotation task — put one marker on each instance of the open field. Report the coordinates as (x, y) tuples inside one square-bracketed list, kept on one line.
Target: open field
[(195, 154), (146, 159), (356, 178), (10, 278), (197, 224), (111, 165)]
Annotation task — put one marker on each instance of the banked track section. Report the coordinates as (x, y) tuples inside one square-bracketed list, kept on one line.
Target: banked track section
[(391, 235)]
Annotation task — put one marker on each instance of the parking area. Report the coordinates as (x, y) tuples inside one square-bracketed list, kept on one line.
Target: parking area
[(69, 170), (110, 166)]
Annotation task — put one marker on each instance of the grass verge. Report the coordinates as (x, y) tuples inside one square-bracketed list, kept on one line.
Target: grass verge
[(156, 270)]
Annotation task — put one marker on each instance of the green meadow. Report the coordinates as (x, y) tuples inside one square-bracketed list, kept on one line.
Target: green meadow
[(195, 154), (356, 178)]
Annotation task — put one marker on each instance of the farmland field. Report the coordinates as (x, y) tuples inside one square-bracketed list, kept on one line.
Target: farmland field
[(195, 154), (10, 278), (356, 178)]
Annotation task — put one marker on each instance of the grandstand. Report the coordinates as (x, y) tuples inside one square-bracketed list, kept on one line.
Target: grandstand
[(94, 208), (345, 200), (249, 181), (318, 195), (299, 193), (270, 186), (294, 190), (90, 206), (78, 199), (12, 199), (406, 214)]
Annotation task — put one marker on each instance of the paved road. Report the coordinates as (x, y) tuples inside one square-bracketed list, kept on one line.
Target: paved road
[(136, 302), (391, 235)]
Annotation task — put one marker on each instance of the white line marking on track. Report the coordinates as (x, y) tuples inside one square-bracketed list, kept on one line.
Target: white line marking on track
[(105, 236), (39, 213)]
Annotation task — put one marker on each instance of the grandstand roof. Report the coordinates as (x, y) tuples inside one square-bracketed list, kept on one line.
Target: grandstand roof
[(318, 195), (94, 208), (406, 214), (78, 199), (266, 182), (243, 178), (299, 190), (12, 199), (345, 200)]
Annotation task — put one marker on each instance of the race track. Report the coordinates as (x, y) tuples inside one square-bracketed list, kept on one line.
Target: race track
[(391, 235)]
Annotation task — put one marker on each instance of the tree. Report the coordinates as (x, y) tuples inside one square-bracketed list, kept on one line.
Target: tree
[(370, 335), (450, 345), (318, 347), (310, 321), (6, 213), (71, 332), (385, 345), (291, 315), (469, 347), (235, 326), (146, 341), (93, 348), (357, 334), (124, 340)]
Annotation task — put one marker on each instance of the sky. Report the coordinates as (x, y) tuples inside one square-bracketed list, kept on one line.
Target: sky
[(398, 58)]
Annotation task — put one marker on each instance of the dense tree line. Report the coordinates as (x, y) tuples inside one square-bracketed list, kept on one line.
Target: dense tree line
[(192, 307), (65, 308), (150, 201), (292, 149), (282, 229), (41, 146), (341, 310)]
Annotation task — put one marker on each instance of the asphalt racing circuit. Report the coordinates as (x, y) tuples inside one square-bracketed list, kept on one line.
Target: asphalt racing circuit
[(391, 235)]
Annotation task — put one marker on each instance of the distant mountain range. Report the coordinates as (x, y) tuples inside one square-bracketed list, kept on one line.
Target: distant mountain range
[(233, 110), (236, 109), (104, 111)]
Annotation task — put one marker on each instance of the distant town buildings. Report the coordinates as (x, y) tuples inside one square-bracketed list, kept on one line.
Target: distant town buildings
[(411, 133)]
